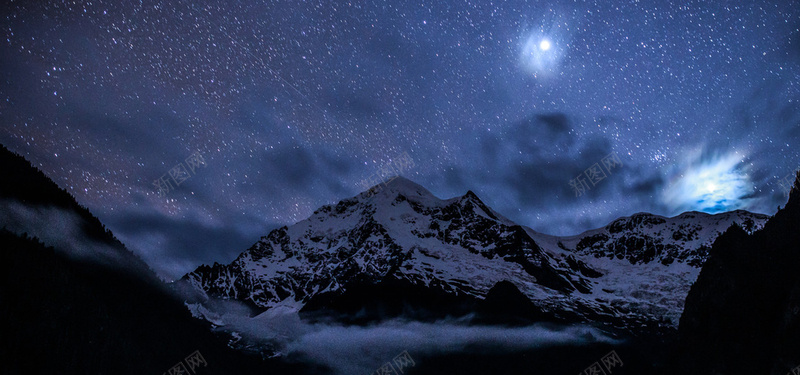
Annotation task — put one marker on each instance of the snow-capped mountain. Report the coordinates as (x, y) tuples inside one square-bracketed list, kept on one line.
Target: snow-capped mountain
[(635, 270), (646, 263), (643, 237)]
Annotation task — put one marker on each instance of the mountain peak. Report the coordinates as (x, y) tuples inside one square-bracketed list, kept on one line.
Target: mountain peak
[(396, 185), (402, 183), (471, 195)]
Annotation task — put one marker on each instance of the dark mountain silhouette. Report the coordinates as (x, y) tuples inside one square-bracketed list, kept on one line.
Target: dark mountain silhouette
[(24, 185), (65, 315), (506, 305), (367, 302), (742, 316)]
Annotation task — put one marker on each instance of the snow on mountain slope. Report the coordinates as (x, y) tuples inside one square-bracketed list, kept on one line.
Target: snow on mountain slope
[(457, 244), (635, 269), (643, 237), (648, 262)]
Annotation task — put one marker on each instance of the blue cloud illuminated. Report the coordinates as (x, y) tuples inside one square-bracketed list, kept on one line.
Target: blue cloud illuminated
[(712, 185)]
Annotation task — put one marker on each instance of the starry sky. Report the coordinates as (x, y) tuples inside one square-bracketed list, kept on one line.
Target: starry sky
[(293, 104)]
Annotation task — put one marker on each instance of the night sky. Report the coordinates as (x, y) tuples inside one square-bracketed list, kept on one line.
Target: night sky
[(291, 105)]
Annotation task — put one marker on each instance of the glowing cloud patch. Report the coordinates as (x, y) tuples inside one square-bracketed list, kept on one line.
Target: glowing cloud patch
[(715, 185)]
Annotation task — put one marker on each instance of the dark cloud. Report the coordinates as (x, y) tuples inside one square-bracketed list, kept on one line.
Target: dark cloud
[(528, 167), (175, 246), (644, 184), (556, 122)]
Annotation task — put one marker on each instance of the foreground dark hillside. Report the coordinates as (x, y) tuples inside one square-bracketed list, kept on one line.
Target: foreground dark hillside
[(742, 316), (67, 314), (23, 185), (62, 316)]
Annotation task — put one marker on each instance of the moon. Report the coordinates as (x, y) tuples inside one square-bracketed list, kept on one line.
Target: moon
[(544, 45), (541, 54)]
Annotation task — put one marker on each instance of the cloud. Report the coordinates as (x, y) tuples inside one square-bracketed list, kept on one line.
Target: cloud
[(708, 183), (63, 230), (200, 226), (362, 349), (524, 173), (175, 246)]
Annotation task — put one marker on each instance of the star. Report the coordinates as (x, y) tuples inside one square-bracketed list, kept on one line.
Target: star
[(307, 94)]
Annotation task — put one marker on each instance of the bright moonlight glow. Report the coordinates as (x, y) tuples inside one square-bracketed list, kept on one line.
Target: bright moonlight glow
[(539, 54), (544, 45), (711, 186)]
